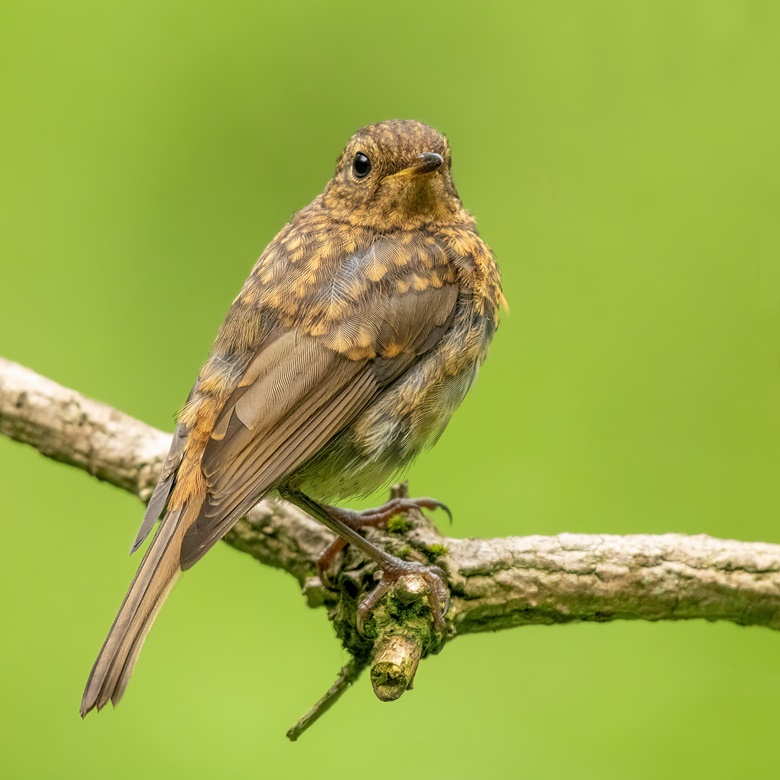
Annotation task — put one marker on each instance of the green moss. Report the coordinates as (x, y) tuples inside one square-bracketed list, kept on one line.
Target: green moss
[(437, 550), (398, 524)]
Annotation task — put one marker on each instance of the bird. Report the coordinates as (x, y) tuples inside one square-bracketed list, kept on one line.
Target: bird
[(357, 334)]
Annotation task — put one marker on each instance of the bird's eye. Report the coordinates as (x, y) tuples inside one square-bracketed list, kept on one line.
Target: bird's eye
[(361, 166)]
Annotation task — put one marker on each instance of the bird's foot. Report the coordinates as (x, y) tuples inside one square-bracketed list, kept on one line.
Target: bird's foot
[(414, 579), (369, 518), (435, 582)]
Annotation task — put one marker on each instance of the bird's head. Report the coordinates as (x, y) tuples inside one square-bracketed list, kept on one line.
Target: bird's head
[(393, 174)]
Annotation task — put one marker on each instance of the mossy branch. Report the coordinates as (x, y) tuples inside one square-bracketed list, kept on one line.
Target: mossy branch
[(495, 583)]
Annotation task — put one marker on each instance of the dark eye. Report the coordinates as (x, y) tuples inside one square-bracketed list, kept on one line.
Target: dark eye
[(361, 166)]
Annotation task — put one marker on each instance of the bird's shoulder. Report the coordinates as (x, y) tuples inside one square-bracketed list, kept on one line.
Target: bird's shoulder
[(330, 279), (318, 265)]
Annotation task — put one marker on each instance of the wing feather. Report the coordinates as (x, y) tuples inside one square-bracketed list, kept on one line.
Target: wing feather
[(260, 461)]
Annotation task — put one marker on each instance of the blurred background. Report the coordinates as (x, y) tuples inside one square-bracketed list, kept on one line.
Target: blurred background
[(622, 160)]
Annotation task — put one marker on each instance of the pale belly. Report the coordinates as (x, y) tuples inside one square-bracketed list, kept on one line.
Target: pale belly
[(383, 440)]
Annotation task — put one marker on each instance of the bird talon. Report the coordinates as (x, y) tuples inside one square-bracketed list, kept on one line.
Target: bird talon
[(440, 505), (326, 558), (438, 594)]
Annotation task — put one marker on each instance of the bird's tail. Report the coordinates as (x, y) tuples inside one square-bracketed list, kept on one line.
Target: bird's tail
[(156, 575)]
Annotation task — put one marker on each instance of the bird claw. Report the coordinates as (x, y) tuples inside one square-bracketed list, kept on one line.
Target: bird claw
[(370, 518), (380, 515), (326, 558), (438, 593), (392, 568)]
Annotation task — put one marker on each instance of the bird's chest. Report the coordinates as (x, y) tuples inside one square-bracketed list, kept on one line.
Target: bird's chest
[(409, 416)]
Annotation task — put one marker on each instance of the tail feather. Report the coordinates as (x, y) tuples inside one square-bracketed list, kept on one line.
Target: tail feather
[(157, 574)]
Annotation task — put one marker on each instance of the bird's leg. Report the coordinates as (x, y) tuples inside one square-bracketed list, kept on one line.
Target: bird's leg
[(365, 519), (346, 522)]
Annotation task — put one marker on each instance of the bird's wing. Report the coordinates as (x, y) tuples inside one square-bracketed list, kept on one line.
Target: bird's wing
[(360, 331)]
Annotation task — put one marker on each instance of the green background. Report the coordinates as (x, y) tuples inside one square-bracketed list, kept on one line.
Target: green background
[(622, 160)]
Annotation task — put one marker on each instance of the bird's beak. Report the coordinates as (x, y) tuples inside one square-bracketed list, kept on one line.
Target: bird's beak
[(428, 162)]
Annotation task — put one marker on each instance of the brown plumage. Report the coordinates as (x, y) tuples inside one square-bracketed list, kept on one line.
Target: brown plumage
[(357, 334)]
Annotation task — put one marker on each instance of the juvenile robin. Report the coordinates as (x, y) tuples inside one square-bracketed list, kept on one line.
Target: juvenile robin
[(354, 339)]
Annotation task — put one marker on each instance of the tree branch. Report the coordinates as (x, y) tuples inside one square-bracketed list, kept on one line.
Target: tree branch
[(495, 583)]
